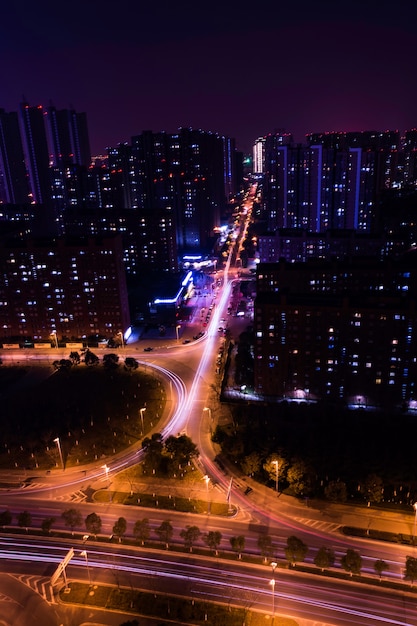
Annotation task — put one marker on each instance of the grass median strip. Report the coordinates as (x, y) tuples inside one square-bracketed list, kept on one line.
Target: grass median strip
[(169, 503), (163, 606)]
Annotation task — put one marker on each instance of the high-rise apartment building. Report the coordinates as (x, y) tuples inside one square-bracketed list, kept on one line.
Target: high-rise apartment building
[(258, 159), (343, 330), (188, 174), (335, 180), (67, 137), (14, 188), (74, 287), (36, 151)]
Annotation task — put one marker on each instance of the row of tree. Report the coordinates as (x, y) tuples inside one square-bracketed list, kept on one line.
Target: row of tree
[(295, 550), (110, 361)]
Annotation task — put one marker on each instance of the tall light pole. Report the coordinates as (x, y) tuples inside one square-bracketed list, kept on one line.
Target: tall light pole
[(58, 443), (276, 474), (415, 520), (84, 554), (272, 583), (177, 327), (207, 480), (106, 469), (141, 411)]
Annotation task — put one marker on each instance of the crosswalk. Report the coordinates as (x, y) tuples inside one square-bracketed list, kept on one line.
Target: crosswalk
[(326, 527), (40, 584), (76, 497)]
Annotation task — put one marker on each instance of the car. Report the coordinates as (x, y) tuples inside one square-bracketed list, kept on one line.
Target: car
[(186, 341), (148, 349)]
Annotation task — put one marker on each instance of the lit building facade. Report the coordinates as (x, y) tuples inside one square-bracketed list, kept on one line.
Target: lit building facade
[(76, 288), (342, 330), (334, 180)]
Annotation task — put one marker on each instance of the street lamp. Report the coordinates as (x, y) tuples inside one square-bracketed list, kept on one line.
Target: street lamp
[(84, 554), (272, 583), (141, 411), (276, 474), (58, 443), (106, 469), (206, 408), (177, 327), (207, 480)]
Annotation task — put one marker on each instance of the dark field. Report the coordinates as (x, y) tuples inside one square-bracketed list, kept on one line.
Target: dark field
[(93, 410)]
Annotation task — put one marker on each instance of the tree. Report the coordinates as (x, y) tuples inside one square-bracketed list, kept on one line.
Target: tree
[(91, 359), (238, 545), (265, 546), (324, 558), (165, 532), (295, 550), (380, 566), (181, 449), (190, 534), (131, 364), (24, 520), (72, 518), (336, 491), (410, 572), (212, 539), (153, 449), (351, 562), (142, 530), (93, 524), (111, 360), (62, 364), (119, 528), (5, 518), (374, 488), (251, 464), (299, 477), (47, 525), (75, 358)]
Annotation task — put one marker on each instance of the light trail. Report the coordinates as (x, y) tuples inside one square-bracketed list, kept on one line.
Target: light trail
[(357, 606), (74, 477)]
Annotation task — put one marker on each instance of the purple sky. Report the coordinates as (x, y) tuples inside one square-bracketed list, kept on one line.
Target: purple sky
[(220, 66)]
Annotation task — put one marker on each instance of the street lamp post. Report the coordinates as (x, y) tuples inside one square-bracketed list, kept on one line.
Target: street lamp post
[(177, 327), (276, 474), (141, 411), (207, 480), (58, 443), (84, 554), (106, 469), (206, 408), (272, 583)]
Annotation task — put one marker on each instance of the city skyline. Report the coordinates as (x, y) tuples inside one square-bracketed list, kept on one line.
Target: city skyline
[(226, 69)]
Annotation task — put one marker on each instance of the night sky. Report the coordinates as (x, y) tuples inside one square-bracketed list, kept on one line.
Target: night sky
[(221, 66)]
